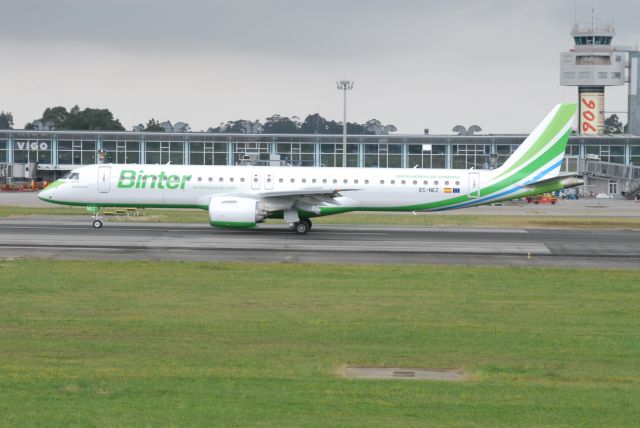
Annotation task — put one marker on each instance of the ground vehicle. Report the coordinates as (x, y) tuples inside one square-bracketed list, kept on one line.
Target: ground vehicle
[(547, 198)]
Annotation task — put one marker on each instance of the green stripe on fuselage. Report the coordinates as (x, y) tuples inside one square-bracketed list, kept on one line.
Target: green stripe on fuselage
[(538, 163)]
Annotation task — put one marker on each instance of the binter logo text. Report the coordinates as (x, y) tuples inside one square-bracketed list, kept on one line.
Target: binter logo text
[(130, 179)]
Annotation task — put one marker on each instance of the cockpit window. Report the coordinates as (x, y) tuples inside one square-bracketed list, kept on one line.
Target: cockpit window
[(71, 176)]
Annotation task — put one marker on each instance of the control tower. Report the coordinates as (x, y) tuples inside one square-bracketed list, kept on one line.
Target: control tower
[(592, 64)]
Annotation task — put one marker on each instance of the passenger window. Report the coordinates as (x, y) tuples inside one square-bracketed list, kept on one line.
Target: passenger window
[(446, 183), (402, 182), (345, 181), (324, 180), (425, 182), (242, 180), (335, 180), (280, 180), (415, 182), (393, 182), (293, 180), (366, 181), (268, 180), (457, 183), (381, 181), (355, 181), (304, 180), (210, 179), (435, 182), (199, 178), (222, 179), (313, 181)]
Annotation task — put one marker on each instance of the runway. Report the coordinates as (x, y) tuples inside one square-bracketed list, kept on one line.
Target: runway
[(70, 237)]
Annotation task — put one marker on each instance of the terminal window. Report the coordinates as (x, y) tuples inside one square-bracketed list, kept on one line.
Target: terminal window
[(383, 155), (3, 150), (634, 151), (76, 152), (331, 154), (298, 154), (162, 152), (433, 158), (121, 151), (208, 153), (25, 151)]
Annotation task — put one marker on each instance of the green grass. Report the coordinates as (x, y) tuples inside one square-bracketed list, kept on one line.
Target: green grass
[(194, 344), (456, 220)]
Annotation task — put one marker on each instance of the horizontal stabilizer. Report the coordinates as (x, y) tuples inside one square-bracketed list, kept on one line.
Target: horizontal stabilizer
[(567, 182)]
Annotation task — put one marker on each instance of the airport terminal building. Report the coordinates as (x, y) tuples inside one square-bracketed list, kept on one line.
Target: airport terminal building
[(49, 154)]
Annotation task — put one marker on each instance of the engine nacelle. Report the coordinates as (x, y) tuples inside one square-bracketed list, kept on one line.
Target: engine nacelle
[(235, 212)]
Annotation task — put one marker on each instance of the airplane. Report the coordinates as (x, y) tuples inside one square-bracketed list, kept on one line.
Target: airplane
[(244, 196)]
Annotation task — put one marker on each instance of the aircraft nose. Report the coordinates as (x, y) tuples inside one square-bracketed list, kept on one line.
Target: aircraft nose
[(45, 195)]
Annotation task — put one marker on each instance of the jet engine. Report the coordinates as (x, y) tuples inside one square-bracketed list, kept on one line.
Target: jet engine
[(235, 212)]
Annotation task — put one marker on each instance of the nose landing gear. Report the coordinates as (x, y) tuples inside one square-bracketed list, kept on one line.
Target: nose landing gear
[(97, 220)]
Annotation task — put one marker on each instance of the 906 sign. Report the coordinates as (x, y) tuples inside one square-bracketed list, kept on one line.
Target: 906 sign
[(591, 113)]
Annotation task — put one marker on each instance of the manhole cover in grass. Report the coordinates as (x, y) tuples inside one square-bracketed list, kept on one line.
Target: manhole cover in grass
[(403, 373)]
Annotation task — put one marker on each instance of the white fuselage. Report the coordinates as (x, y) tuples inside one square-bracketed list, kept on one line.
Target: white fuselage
[(192, 186)]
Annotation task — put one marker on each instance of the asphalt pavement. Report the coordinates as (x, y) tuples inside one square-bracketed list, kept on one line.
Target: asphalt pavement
[(73, 237)]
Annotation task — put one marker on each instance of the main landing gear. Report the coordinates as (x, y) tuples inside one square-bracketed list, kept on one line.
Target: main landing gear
[(302, 227)]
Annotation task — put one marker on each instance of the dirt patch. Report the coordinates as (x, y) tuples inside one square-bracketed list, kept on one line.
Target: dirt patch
[(401, 373)]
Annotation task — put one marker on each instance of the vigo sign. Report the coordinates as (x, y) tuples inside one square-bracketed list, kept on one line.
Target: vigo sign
[(31, 145)]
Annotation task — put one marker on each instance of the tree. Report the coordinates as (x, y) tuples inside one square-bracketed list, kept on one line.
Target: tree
[(277, 124), (612, 125), (314, 124), (355, 129), (6, 120), (153, 126), (236, 126), (56, 115), (89, 119)]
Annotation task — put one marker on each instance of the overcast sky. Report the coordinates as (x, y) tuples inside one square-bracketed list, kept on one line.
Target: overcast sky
[(416, 64)]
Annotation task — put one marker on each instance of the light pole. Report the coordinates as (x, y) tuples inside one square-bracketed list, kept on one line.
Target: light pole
[(344, 85)]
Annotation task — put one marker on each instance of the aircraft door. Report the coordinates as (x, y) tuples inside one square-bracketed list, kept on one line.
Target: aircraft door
[(255, 181), (474, 185), (268, 181), (104, 179)]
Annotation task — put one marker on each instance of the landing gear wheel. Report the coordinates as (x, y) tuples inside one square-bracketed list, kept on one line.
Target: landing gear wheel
[(301, 227), (97, 224), (308, 221)]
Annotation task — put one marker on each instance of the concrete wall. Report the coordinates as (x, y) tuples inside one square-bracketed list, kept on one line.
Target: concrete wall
[(634, 93)]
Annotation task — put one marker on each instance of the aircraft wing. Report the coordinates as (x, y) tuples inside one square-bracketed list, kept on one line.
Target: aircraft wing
[(290, 201), (309, 199), (331, 192)]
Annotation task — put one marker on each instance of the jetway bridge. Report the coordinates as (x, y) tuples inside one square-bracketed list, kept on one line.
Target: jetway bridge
[(627, 175)]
